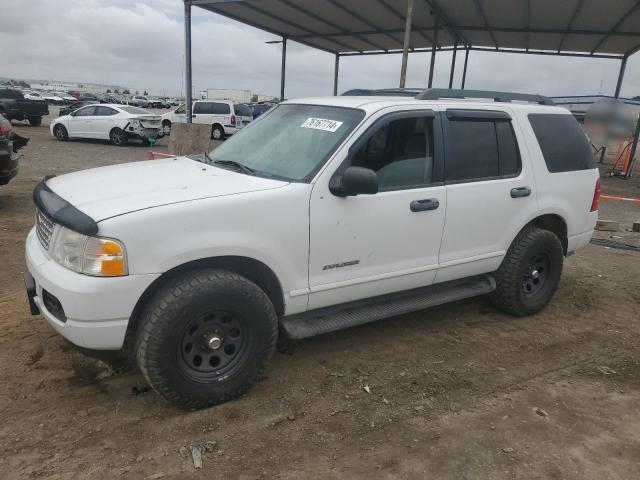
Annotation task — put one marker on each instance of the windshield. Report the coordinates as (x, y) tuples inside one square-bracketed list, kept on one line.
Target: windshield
[(134, 110), (291, 141)]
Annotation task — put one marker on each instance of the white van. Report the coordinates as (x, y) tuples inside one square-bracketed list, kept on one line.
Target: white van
[(225, 118)]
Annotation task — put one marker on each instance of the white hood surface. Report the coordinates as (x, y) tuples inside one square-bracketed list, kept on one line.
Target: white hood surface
[(109, 191)]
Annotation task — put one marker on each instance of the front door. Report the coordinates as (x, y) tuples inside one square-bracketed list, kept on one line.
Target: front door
[(79, 125), (367, 245)]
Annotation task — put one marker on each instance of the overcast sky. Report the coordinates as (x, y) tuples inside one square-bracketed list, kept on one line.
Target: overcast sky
[(140, 44)]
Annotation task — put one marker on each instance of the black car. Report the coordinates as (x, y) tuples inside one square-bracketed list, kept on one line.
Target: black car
[(75, 106), (10, 143), (89, 97)]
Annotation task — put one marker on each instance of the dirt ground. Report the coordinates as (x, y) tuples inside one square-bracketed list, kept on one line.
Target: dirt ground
[(456, 392)]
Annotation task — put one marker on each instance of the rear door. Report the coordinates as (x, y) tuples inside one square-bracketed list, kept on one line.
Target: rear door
[(103, 121), (243, 114), (490, 190)]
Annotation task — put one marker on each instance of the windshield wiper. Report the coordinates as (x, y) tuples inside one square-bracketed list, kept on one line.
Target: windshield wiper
[(232, 163)]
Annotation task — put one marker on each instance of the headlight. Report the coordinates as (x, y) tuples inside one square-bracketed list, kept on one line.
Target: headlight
[(102, 257)]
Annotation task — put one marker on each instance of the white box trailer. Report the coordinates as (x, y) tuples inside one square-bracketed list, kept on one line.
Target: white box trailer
[(231, 95)]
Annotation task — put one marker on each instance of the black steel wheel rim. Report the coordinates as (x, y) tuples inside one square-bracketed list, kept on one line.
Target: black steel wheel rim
[(536, 274), (212, 345)]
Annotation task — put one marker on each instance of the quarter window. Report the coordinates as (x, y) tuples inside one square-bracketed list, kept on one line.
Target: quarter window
[(563, 143), (480, 149), (400, 152)]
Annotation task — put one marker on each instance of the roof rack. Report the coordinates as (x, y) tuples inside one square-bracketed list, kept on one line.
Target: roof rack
[(383, 92), (440, 93)]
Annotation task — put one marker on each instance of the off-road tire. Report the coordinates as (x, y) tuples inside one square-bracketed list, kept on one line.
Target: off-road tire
[(60, 132), (217, 132), (167, 320), (118, 137), (511, 293), (35, 121)]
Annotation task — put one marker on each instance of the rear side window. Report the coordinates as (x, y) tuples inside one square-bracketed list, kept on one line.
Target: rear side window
[(242, 110), (563, 143), (221, 108), (480, 148)]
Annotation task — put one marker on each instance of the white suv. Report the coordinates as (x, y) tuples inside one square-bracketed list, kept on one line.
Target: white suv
[(225, 118), (323, 214)]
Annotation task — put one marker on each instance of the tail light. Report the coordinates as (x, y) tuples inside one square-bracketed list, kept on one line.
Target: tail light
[(233, 119), (596, 197), (5, 127)]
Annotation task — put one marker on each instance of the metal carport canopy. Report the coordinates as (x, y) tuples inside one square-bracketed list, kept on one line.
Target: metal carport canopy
[(584, 28)]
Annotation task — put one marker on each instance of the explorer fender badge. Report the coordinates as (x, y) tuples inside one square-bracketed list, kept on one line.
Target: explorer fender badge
[(341, 264)]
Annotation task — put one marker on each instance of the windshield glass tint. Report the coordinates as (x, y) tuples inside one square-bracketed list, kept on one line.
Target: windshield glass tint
[(134, 110), (291, 141)]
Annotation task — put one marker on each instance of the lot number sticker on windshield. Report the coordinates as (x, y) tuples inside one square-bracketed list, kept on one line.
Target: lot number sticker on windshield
[(322, 124)]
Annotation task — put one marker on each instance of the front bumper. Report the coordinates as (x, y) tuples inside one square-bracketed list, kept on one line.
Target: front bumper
[(96, 310)]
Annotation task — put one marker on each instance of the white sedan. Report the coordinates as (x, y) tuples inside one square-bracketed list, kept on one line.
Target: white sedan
[(116, 123)]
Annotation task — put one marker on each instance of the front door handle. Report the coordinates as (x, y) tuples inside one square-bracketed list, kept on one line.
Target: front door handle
[(422, 205), (520, 192)]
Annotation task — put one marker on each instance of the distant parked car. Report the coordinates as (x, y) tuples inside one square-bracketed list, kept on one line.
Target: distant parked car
[(113, 122), (225, 118), (139, 101), (29, 95), (74, 93), (52, 98), (74, 106), (10, 143), (15, 106), (89, 96), (66, 98)]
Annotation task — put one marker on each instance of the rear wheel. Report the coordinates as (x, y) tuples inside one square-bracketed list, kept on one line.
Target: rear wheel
[(118, 137), (530, 272), (206, 337), (35, 121), (60, 133), (217, 133)]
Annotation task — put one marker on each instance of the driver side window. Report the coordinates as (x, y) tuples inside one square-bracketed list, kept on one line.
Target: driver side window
[(400, 152)]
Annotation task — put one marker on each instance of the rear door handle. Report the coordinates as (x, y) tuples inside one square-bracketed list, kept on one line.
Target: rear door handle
[(520, 192), (426, 204)]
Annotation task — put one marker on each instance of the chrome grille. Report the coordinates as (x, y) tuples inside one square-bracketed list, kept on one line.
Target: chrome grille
[(44, 229)]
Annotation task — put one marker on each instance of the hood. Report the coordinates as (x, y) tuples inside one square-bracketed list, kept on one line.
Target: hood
[(106, 192)]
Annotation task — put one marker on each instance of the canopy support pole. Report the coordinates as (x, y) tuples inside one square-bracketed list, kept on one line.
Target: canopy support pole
[(335, 75), (187, 58), (283, 68), (623, 67), (433, 55), (632, 155), (453, 63), (407, 41), (464, 70)]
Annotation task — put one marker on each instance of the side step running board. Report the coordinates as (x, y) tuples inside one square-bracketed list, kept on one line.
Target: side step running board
[(338, 317)]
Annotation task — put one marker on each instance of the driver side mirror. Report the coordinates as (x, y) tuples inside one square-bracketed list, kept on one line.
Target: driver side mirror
[(354, 181)]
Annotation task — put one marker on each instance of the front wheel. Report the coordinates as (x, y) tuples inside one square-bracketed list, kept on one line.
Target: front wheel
[(530, 272), (118, 137), (217, 133), (166, 127), (206, 337), (60, 132)]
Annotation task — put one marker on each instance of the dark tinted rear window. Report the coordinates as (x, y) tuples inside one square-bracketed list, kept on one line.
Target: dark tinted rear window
[(563, 143), (242, 110)]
